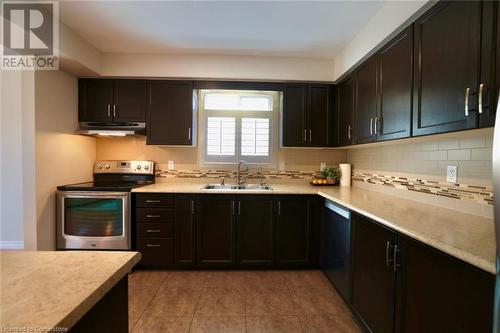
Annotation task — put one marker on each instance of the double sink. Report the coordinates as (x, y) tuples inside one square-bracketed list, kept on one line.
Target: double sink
[(242, 187)]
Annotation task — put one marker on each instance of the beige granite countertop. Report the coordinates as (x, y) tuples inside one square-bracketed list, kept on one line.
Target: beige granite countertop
[(49, 289), (467, 237)]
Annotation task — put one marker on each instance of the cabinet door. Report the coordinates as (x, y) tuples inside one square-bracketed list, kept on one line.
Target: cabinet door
[(446, 52), (294, 115), (373, 280), (318, 132), (366, 101), (184, 230), (490, 64), (292, 231), (255, 231), (345, 110), (395, 77), (443, 294), (170, 113), (215, 230), (95, 100), (130, 100)]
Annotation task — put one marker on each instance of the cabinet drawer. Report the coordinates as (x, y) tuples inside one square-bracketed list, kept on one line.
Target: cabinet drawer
[(155, 230), (154, 200), (154, 215), (156, 251)]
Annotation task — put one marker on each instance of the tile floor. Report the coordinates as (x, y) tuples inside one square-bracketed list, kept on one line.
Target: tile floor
[(236, 301)]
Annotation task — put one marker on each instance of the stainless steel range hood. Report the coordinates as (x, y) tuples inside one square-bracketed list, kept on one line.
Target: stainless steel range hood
[(112, 129)]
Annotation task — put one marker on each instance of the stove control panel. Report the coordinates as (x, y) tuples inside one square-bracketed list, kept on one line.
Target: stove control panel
[(131, 167)]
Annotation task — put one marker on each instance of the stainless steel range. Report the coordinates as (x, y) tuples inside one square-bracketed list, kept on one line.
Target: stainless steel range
[(96, 215)]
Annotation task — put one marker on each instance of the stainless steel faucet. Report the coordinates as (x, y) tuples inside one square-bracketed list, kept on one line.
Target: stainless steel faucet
[(238, 172)]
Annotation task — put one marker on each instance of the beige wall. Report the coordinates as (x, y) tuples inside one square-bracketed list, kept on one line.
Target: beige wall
[(428, 157), (61, 156), (188, 158), (217, 66), (383, 24), (17, 170)]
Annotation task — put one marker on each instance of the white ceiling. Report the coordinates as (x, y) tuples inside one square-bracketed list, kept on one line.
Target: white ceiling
[(272, 28)]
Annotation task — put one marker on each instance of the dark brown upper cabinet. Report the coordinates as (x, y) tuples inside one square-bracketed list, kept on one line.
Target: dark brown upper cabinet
[(130, 100), (169, 118), (107, 100), (345, 112), (395, 87), (95, 100), (307, 120), (255, 230), (489, 85), (447, 58), (294, 115), (319, 115), (366, 101)]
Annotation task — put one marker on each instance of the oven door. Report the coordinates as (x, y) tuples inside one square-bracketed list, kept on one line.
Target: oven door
[(93, 220)]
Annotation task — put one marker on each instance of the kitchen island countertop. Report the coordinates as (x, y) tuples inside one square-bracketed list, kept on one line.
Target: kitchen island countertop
[(50, 290)]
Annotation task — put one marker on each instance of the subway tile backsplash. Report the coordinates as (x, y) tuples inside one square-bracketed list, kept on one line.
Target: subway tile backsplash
[(428, 158)]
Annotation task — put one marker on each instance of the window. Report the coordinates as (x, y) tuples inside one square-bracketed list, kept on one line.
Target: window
[(238, 125)]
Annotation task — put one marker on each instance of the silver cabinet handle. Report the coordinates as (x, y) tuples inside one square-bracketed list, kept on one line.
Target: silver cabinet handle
[(371, 126), (387, 254), (153, 245), (152, 201), (109, 110), (376, 120), (349, 133), (480, 98), (152, 216), (279, 207), (232, 207), (192, 207), (239, 207), (189, 133), (395, 258), (310, 135), (305, 135), (153, 230), (467, 92), (114, 110)]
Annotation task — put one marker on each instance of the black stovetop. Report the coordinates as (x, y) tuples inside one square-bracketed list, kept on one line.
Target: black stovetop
[(104, 186)]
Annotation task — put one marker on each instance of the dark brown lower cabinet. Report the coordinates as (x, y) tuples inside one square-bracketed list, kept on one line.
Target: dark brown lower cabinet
[(185, 208), (373, 277), (255, 230), (215, 230), (293, 230), (442, 293), (402, 285)]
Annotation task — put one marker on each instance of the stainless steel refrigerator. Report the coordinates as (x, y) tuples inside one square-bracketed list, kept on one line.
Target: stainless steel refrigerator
[(496, 190)]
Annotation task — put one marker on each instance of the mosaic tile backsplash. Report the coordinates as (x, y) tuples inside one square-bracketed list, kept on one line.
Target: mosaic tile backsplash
[(251, 174), (479, 194)]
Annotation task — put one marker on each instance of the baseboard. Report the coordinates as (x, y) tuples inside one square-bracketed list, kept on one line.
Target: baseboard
[(11, 245)]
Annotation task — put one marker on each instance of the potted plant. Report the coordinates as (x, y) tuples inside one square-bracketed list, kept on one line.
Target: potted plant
[(332, 174)]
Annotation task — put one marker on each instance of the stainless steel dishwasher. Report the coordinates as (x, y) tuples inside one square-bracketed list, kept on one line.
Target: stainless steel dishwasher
[(336, 247)]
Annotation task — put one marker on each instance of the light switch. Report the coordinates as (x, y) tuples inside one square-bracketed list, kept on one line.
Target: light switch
[(322, 166), (171, 165)]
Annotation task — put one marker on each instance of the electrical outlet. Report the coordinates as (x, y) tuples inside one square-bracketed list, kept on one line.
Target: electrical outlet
[(171, 165), (451, 174), (322, 166)]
